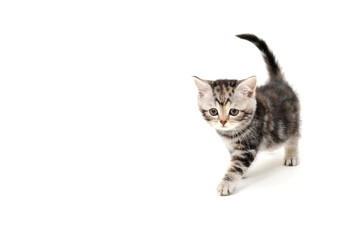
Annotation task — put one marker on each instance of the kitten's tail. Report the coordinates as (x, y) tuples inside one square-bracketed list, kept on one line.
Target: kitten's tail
[(269, 58)]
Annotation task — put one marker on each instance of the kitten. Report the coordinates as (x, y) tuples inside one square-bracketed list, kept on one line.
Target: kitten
[(250, 118)]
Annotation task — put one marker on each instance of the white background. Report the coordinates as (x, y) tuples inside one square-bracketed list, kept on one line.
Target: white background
[(100, 136)]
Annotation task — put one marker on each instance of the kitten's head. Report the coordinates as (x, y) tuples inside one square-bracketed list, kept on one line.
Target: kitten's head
[(227, 104)]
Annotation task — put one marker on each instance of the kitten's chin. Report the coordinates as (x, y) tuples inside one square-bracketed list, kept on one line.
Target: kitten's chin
[(227, 127), (224, 128)]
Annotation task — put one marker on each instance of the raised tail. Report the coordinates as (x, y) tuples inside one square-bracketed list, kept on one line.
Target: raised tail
[(269, 58)]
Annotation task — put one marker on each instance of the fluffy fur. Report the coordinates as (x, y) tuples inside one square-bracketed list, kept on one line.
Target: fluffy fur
[(250, 118)]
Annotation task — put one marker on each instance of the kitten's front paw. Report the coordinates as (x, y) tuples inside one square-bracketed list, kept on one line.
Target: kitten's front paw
[(226, 187), (291, 161)]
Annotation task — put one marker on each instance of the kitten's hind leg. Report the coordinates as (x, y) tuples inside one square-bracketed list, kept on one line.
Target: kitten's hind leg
[(291, 152)]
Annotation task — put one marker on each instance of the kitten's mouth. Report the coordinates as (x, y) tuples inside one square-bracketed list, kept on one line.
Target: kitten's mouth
[(224, 128)]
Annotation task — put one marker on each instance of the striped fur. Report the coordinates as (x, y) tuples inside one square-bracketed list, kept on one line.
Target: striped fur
[(268, 116)]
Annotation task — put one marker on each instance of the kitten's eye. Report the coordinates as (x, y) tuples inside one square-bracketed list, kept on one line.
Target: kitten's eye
[(213, 111), (234, 112)]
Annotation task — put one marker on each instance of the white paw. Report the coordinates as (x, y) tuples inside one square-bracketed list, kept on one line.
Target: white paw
[(226, 187), (291, 161)]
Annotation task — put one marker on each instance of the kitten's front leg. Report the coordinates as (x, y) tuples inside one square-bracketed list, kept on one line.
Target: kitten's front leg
[(238, 166)]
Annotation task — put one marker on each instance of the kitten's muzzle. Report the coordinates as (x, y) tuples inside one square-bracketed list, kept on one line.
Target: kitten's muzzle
[(223, 122)]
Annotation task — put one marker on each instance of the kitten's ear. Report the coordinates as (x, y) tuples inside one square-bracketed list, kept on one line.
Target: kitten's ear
[(247, 87), (202, 85)]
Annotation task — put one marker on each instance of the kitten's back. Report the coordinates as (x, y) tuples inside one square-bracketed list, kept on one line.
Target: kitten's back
[(282, 104)]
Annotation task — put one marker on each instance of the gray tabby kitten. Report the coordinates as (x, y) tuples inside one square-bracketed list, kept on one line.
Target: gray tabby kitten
[(250, 118)]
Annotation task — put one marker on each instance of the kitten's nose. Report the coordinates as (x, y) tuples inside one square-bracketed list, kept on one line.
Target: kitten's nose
[(223, 122)]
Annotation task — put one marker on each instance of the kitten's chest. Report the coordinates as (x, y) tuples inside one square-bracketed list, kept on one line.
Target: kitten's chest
[(229, 143), (247, 140), (235, 144)]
